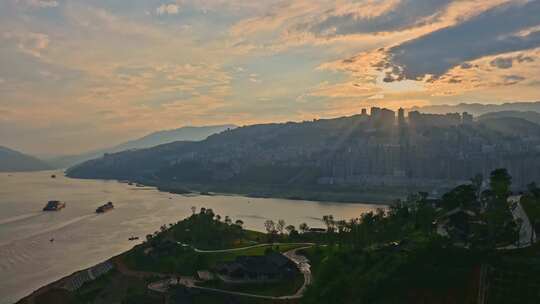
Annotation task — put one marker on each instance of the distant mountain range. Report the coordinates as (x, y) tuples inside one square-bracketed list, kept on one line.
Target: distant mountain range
[(150, 140), (530, 116), (511, 126), (480, 109), (14, 161)]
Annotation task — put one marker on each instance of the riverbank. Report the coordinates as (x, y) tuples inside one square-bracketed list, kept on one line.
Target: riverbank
[(61, 286), (129, 275), (145, 282), (314, 193), (83, 238)]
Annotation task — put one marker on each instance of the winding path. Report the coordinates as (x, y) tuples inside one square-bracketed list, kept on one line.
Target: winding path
[(303, 265), (244, 248), (301, 261)]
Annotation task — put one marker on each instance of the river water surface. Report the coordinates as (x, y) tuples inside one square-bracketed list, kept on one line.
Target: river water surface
[(82, 238)]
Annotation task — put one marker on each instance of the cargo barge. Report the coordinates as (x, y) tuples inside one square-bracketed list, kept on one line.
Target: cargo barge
[(107, 207), (54, 206)]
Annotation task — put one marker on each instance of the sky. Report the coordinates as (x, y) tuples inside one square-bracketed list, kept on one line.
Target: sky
[(77, 75)]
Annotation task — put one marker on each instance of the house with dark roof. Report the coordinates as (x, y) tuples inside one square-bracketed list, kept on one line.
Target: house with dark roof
[(458, 224), (270, 267)]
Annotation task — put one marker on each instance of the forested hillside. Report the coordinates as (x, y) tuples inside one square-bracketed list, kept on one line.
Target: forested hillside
[(360, 152)]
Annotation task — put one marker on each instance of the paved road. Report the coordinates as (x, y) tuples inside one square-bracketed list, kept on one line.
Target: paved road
[(305, 268), (243, 248)]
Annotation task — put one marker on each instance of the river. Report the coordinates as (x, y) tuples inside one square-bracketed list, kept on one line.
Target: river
[(82, 238)]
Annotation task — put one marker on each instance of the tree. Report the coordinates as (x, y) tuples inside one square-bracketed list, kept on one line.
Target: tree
[(290, 229), (499, 223), (280, 226), (500, 182), (534, 189), (329, 222), (463, 196), (303, 227), (270, 226)]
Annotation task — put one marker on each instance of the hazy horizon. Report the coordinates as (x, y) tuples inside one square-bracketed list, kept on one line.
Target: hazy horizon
[(82, 75)]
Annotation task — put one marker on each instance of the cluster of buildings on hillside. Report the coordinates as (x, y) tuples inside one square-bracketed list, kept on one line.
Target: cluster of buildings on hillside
[(419, 155), (387, 117), (382, 148)]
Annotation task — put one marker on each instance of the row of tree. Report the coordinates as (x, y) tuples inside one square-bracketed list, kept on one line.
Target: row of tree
[(488, 221)]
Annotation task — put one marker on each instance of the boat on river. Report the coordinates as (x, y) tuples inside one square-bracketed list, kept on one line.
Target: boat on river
[(107, 207), (54, 206)]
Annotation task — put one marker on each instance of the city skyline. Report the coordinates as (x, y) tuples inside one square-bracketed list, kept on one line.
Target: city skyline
[(80, 75)]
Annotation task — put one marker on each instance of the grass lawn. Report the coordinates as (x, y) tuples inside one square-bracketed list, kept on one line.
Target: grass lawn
[(212, 259), (183, 261), (209, 231), (250, 238), (315, 255), (187, 262)]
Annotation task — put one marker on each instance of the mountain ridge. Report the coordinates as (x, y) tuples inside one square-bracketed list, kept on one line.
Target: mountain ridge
[(15, 161), (479, 108), (187, 133), (531, 116), (348, 154)]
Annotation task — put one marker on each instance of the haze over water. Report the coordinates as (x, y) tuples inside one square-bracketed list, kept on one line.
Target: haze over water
[(82, 238)]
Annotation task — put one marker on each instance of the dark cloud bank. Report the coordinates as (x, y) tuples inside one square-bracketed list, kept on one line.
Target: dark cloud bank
[(492, 32)]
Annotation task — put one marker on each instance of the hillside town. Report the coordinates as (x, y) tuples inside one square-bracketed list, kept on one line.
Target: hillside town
[(381, 150)]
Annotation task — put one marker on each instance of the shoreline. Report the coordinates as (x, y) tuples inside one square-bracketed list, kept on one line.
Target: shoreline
[(305, 198), (315, 194), (60, 283), (57, 284), (311, 194)]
